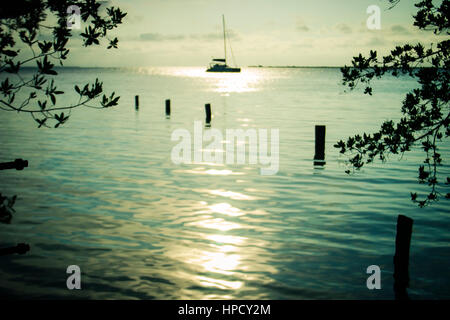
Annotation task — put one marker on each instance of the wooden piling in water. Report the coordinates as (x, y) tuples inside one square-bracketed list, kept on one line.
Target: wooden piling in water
[(18, 164), (168, 108), (319, 156), (136, 102), (21, 248), (208, 114), (401, 257)]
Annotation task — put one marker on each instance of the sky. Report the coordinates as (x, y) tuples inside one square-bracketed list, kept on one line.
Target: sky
[(261, 32)]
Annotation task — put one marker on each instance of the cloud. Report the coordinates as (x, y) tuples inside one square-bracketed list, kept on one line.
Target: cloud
[(304, 44), (399, 29), (344, 28), (199, 36), (376, 41), (206, 36), (215, 36), (301, 26), (160, 37)]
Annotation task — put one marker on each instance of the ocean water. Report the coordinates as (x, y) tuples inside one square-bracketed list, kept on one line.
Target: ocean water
[(103, 193)]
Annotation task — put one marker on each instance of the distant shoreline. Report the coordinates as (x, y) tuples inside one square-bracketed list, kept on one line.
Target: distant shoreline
[(250, 67), (259, 66), (294, 67)]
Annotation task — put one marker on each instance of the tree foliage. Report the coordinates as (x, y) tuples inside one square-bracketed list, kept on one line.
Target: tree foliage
[(22, 23), (6, 208), (21, 29), (425, 110)]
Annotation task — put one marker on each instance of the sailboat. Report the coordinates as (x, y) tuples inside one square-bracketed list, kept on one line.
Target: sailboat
[(220, 65)]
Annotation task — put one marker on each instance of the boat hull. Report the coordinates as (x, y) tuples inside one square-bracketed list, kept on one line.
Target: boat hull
[(223, 69)]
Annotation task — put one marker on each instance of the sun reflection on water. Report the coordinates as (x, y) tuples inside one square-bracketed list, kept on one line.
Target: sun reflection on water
[(218, 224), (219, 283), (211, 172), (220, 238), (218, 262), (248, 80), (226, 209), (231, 195)]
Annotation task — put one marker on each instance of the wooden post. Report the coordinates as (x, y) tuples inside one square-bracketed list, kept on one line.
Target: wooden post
[(401, 257), (17, 164), (208, 114), (319, 156), (21, 248), (136, 102), (168, 108)]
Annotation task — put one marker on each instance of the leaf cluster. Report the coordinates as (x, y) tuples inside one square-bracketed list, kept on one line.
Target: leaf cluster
[(425, 110), (26, 23)]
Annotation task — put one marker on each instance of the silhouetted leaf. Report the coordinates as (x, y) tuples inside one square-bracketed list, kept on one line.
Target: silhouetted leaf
[(9, 53)]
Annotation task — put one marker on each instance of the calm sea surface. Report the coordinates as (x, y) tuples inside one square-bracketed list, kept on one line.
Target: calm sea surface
[(102, 192)]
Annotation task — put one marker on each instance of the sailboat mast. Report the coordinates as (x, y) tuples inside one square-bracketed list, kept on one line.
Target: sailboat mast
[(224, 38)]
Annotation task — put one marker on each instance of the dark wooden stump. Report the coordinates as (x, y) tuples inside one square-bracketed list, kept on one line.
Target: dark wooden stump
[(208, 114), (401, 257), (319, 156), (168, 108), (17, 164), (21, 248)]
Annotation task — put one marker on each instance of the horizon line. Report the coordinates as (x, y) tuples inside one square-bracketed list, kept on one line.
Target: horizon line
[(252, 66)]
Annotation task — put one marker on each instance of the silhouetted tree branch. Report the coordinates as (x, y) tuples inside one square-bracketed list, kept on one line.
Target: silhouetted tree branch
[(24, 20), (21, 25), (425, 110)]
